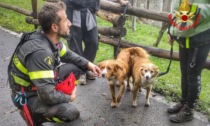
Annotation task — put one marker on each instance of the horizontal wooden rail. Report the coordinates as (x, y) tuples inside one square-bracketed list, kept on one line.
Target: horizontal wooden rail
[(149, 14), (17, 9), (151, 50)]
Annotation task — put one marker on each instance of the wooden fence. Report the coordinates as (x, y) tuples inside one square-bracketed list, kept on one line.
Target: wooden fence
[(112, 12)]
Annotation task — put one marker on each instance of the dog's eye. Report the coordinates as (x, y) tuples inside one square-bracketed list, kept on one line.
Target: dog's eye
[(108, 68), (151, 71), (145, 70)]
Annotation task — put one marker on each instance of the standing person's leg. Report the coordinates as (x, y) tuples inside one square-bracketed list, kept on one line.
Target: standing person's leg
[(183, 57), (194, 74), (196, 60), (75, 41), (91, 45)]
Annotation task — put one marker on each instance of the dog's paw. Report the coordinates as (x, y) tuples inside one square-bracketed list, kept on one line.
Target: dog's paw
[(147, 104), (113, 105), (128, 88), (118, 104), (134, 104)]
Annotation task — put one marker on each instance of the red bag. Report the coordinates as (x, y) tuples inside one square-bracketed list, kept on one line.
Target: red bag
[(68, 85)]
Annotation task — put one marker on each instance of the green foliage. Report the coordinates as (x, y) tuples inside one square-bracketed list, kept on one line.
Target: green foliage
[(13, 20), (167, 85)]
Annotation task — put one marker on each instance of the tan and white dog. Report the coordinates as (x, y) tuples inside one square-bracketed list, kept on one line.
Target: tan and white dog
[(144, 72)]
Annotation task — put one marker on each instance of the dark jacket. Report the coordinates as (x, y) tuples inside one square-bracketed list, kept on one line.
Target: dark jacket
[(35, 63), (92, 5)]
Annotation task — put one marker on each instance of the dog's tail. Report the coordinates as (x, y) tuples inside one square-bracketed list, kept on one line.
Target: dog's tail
[(138, 51)]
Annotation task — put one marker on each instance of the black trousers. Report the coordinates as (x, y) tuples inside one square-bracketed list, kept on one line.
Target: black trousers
[(79, 35), (191, 72), (40, 111)]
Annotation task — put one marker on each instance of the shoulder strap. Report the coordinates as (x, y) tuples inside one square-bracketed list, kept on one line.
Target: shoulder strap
[(24, 38)]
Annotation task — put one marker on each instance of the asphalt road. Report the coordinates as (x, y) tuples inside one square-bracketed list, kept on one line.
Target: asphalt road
[(93, 100)]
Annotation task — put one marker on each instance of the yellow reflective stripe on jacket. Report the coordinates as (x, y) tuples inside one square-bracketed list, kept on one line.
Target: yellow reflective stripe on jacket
[(41, 74), (187, 42), (57, 120), (193, 8), (19, 65), (54, 119), (20, 81), (63, 50)]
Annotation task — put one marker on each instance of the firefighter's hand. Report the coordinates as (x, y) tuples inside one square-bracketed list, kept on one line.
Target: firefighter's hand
[(95, 69), (123, 2), (73, 95), (170, 40)]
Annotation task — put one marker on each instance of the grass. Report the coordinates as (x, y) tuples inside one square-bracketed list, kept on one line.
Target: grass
[(167, 85)]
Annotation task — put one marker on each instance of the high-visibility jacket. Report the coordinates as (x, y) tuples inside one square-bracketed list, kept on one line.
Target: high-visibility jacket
[(197, 27), (204, 21), (35, 62)]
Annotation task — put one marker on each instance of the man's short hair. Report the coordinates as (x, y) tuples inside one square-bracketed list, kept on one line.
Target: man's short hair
[(48, 15)]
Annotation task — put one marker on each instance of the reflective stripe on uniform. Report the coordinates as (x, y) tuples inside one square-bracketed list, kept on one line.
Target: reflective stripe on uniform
[(57, 120), (63, 51), (19, 65), (194, 8), (41, 74), (54, 119), (20, 81), (187, 42)]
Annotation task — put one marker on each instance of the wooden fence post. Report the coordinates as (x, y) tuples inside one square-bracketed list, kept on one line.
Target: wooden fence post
[(34, 11)]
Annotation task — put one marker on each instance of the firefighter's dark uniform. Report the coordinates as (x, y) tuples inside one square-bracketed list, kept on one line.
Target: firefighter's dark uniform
[(34, 64)]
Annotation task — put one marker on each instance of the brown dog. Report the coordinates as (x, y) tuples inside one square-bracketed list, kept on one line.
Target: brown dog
[(117, 71), (144, 73)]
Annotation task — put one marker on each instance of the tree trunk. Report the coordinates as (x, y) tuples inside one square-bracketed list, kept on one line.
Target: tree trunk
[(151, 50), (108, 31), (30, 20), (112, 31), (134, 17), (34, 9), (115, 19), (116, 8)]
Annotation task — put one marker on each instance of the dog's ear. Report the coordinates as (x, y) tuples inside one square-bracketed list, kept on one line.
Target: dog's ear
[(118, 67), (142, 67), (101, 64), (156, 70)]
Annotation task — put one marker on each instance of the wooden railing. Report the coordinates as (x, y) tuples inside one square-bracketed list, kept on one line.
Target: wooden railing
[(112, 12)]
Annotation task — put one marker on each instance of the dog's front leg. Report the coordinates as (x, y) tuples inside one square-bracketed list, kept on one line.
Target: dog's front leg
[(128, 84), (113, 103), (147, 95), (120, 92), (135, 90)]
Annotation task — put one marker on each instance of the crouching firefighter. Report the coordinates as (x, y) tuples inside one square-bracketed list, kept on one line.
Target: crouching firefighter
[(41, 87)]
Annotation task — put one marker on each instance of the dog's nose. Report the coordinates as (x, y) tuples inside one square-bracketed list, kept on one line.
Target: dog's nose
[(103, 75), (147, 77)]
